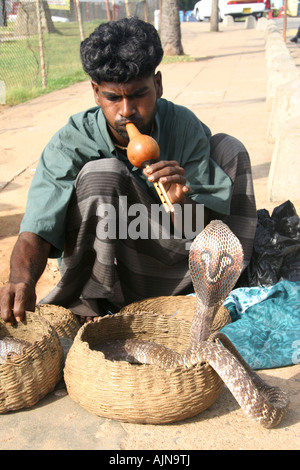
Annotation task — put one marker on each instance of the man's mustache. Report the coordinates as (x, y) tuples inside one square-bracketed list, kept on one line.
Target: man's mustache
[(123, 122)]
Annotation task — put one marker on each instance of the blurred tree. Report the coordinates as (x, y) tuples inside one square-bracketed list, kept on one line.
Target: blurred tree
[(27, 22), (170, 28), (107, 10), (214, 19), (3, 19)]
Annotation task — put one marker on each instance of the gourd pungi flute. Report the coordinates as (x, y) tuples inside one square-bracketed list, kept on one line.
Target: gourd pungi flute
[(141, 151)]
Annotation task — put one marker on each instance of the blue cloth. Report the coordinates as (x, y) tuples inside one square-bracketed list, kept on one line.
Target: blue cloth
[(265, 326)]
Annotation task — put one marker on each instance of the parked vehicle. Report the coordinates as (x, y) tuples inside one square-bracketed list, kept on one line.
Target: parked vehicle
[(235, 8)]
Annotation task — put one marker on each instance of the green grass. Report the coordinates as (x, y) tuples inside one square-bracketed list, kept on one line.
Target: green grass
[(20, 68), (20, 61), (177, 58)]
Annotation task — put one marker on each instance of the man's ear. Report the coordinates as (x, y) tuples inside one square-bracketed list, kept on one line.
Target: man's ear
[(158, 84), (96, 90)]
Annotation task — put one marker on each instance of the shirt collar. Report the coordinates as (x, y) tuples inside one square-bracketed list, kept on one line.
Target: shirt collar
[(156, 130), (104, 131)]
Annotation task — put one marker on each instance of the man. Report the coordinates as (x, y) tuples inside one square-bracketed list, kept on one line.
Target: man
[(84, 175)]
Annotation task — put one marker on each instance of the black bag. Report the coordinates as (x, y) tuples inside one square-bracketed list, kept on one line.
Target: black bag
[(276, 249)]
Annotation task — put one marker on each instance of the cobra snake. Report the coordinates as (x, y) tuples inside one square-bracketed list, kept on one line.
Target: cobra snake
[(215, 263)]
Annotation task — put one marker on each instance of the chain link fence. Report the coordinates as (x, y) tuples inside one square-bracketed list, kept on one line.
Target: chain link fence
[(39, 41)]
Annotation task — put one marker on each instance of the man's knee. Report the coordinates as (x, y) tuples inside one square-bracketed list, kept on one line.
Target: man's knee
[(225, 148), (104, 166), (102, 174)]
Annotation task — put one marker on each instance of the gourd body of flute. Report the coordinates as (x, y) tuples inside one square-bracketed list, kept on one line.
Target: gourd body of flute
[(142, 149)]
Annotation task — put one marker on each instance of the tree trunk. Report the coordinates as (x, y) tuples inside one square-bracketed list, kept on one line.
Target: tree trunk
[(127, 9), (214, 18), (107, 10), (3, 17), (26, 22), (170, 28)]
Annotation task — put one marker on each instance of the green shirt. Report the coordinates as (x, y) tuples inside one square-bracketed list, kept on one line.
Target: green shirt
[(181, 136)]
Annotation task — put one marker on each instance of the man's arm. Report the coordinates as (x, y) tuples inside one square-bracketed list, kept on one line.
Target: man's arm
[(28, 261)]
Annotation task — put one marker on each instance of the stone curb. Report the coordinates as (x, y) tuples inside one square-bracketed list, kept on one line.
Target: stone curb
[(283, 100)]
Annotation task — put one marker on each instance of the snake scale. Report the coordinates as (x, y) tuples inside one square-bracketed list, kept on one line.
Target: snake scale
[(215, 263)]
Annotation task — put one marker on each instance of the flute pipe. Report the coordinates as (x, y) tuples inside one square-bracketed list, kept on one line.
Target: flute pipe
[(162, 198), (162, 188), (163, 195)]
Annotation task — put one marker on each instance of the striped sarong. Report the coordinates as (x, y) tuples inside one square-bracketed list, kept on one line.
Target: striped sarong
[(231, 155), (103, 268)]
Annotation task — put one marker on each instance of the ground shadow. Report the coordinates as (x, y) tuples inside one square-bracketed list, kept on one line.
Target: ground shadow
[(208, 57), (261, 170), (10, 225)]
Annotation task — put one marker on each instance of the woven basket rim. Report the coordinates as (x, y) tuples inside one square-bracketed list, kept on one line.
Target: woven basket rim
[(63, 319), (30, 318), (143, 393), (26, 378)]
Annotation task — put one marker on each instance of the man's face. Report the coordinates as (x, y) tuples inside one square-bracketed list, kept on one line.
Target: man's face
[(134, 101)]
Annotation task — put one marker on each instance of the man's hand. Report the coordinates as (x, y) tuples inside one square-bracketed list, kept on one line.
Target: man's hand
[(172, 176), (15, 299), (28, 261)]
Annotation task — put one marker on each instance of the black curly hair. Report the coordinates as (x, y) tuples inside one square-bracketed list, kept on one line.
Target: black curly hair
[(118, 51)]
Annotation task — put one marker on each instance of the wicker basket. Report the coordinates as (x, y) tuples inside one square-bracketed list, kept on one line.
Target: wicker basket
[(182, 307), (28, 377), (138, 393), (62, 319)]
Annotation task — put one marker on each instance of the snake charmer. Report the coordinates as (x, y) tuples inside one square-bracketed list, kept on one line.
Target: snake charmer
[(84, 180)]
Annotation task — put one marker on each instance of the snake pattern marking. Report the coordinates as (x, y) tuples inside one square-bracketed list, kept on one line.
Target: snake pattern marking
[(215, 263)]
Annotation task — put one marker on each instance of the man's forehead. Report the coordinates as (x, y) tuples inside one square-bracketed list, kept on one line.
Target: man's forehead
[(134, 85)]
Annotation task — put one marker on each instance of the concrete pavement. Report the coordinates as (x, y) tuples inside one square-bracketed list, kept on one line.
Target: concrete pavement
[(226, 87)]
